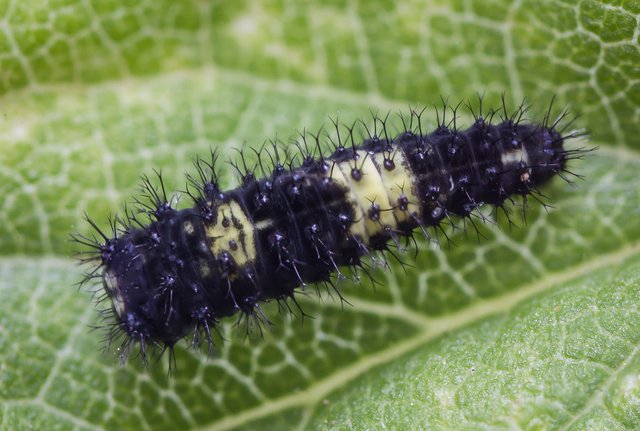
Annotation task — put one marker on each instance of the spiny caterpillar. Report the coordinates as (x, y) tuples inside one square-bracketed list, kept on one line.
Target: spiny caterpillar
[(181, 272)]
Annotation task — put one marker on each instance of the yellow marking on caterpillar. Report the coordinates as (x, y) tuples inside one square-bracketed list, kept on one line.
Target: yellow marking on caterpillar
[(188, 228), (358, 226), (232, 226), (205, 270), (376, 185), (398, 182), (369, 189), (515, 156), (263, 224), (111, 284)]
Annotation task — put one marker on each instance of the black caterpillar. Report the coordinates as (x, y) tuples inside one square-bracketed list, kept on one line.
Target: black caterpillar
[(184, 270)]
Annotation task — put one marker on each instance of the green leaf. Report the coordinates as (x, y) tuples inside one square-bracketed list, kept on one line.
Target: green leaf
[(536, 327)]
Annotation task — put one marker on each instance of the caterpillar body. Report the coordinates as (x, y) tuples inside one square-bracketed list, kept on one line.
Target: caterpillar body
[(184, 270)]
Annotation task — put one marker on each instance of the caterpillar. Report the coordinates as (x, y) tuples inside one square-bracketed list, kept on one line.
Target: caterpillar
[(178, 272)]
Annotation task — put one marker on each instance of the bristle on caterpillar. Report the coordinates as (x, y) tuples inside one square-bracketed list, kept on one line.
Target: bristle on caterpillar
[(304, 219)]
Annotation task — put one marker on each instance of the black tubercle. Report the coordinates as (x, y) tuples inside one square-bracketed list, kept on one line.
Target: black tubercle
[(171, 276)]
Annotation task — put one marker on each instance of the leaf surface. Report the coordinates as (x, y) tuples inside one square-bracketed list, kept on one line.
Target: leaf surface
[(535, 327)]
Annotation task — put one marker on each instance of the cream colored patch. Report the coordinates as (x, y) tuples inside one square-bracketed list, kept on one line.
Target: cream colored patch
[(188, 228), (358, 226), (245, 25), (232, 225), (398, 182), (382, 187), (111, 282), (264, 224), (205, 271), (250, 24), (20, 131), (515, 156)]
